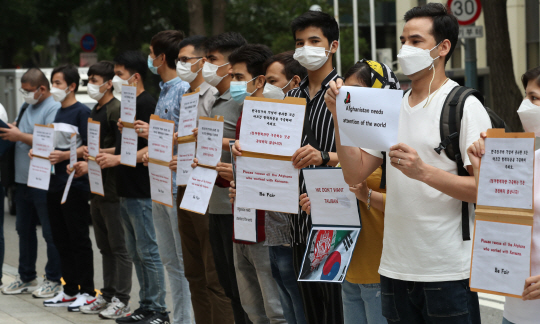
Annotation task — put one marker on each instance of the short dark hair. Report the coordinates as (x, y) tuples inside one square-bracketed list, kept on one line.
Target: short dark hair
[(319, 19), (291, 67), (254, 55), (196, 41), (70, 72), (445, 24), (36, 78), (531, 75), (133, 61), (225, 43), (362, 71), (167, 42), (104, 69)]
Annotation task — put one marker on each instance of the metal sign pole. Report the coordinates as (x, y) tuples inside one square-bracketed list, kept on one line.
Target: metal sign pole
[(471, 77)]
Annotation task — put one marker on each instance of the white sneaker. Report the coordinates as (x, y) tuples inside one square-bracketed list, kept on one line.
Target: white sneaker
[(48, 289), (82, 300), (20, 287), (97, 306), (115, 310), (60, 300)]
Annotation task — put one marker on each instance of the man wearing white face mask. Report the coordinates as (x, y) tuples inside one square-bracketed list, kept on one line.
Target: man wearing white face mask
[(31, 203), (425, 261)]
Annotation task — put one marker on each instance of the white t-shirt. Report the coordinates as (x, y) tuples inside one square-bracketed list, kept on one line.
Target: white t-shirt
[(3, 114), (516, 310), (422, 226)]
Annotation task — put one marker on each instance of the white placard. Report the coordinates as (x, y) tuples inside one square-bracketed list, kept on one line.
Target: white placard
[(72, 151), (501, 257), (188, 114), (160, 184), (368, 117), (209, 141), (267, 184), (128, 150), (128, 104), (160, 140), (245, 224), (332, 203), (93, 138), (95, 177), (66, 189), (184, 159), (43, 141), (271, 127), (39, 173), (506, 173), (198, 190)]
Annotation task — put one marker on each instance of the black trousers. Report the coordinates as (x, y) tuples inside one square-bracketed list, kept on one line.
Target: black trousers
[(322, 301), (71, 236)]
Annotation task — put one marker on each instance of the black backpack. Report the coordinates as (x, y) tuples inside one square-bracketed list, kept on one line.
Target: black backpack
[(450, 127), (7, 160)]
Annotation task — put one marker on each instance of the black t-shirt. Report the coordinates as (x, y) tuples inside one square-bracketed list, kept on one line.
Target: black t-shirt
[(134, 182)]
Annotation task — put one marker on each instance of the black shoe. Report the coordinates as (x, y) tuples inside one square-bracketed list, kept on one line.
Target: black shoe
[(157, 318), (137, 316)]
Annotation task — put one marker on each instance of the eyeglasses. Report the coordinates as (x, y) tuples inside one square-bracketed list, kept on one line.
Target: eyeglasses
[(184, 60), (26, 93)]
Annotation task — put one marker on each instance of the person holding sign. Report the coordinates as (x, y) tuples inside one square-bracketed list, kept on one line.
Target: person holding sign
[(31, 203), (524, 311), (69, 221), (423, 244)]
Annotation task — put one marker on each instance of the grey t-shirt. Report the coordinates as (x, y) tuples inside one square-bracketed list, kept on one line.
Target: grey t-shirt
[(230, 110), (42, 113), (276, 228)]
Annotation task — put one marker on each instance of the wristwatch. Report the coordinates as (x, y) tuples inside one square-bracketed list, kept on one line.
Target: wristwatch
[(325, 158)]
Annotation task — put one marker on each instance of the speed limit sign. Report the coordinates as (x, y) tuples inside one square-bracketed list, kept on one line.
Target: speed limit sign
[(466, 11)]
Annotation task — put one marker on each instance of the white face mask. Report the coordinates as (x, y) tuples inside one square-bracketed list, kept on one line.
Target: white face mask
[(183, 70), (311, 57), (209, 73), (118, 82), (413, 59), (94, 91), (529, 114), (29, 97), (270, 91), (59, 94)]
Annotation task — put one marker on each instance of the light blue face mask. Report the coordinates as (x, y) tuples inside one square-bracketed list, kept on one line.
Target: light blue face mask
[(151, 64), (239, 90)]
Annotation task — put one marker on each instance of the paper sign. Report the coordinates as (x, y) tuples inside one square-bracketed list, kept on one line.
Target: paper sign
[(272, 126), (95, 177), (39, 173), (186, 154), (188, 113), (267, 184), (368, 117), (43, 140), (332, 203), (501, 257), (128, 104), (209, 141), (72, 150), (160, 184), (328, 254), (93, 137), (160, 139), (66, 189), (198, 190), (506, 173), (128, 150), (245, 224)]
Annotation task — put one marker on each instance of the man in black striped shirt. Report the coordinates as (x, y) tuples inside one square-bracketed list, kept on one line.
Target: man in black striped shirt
[(316, 37)]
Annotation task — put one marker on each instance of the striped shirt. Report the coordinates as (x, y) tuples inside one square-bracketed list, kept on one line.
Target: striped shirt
[(322, 126)]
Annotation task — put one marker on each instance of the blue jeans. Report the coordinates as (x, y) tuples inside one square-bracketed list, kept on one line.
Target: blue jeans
[(444, 302), (170, 250), (31, 204), (285, 277), (2, 243), (142, 247), (362, 303)]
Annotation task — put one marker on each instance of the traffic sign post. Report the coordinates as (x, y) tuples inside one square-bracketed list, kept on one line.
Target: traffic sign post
[(88, 43), (467, 12)]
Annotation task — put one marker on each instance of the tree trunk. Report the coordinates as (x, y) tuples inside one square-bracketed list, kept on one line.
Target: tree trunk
[(63, 56), (506, 94), (218, 12), (196, 17)]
